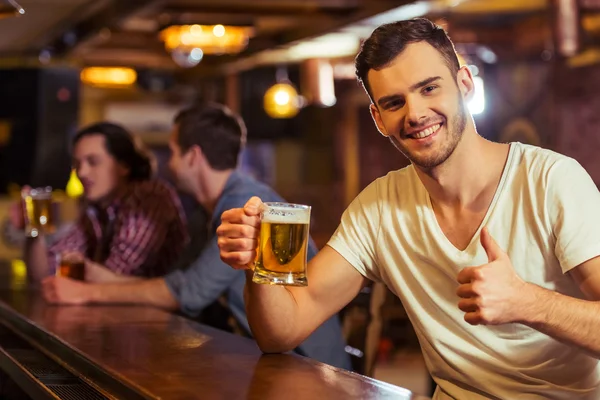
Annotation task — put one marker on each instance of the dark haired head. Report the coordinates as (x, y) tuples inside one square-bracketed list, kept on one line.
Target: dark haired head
[(121, 145), (214, 128), (389, 40)]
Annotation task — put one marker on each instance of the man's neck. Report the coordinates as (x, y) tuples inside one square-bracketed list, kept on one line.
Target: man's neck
[(473, 169), (211, 187)]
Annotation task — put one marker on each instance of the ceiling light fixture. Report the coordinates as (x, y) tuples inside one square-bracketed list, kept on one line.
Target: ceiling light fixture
[(108, 77), (10, 8), (208, 39)]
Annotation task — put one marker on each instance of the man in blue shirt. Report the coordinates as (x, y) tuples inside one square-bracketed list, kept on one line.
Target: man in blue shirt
[(205, 146)]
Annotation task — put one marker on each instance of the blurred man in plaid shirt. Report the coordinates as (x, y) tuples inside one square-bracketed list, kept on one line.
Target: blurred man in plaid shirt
[(131, 223)]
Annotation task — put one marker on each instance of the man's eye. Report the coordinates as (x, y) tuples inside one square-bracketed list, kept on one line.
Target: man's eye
[(395, 104)]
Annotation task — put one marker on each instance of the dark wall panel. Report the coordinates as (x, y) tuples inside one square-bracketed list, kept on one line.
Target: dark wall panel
[(38, 115)]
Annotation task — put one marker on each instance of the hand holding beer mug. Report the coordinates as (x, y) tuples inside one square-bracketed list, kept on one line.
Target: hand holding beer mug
[(38, 211), (283, 244)]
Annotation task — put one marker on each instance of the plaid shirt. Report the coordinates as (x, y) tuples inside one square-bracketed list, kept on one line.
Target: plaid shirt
[(141, 233)]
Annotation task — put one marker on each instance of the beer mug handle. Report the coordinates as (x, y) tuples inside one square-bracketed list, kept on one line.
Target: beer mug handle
[(262, 208)]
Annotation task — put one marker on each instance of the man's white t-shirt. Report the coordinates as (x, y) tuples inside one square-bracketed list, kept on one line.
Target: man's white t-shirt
[(545, 214)]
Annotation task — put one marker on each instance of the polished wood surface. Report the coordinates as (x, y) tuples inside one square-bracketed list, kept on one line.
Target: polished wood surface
[(166, 356)]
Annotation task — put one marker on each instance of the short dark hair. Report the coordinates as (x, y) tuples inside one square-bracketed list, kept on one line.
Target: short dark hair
[(389, 40), (214, 128), (121, 144)]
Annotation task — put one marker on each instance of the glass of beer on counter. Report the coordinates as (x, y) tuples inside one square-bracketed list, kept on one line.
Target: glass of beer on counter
[(38, 211), (283, 245), (71, 265)]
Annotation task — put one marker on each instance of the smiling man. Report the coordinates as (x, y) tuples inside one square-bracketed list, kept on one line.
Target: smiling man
[(492, 248)]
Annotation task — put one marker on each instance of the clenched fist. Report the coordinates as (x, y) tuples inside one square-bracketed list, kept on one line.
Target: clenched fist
[(239, 233)]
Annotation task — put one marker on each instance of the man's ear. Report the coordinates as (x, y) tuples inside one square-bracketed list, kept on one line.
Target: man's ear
[(464, 80), (377, 119)]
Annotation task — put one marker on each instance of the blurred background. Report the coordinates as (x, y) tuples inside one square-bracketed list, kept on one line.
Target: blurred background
[(287, 67)]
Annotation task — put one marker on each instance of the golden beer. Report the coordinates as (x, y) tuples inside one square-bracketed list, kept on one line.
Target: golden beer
[(38, 212), (283, 245)]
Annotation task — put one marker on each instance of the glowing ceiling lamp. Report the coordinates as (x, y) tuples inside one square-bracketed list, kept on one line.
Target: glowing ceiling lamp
[(282, 101), (209, 39), (108, 77)]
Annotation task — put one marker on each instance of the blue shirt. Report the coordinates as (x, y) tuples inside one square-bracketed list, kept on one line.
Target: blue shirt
[(198, 283)]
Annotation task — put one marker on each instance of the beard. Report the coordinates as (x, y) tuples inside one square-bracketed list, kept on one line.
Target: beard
[(454, 130)]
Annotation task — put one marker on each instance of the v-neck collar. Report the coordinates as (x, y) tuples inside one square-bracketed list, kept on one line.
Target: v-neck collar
[(437, 229)]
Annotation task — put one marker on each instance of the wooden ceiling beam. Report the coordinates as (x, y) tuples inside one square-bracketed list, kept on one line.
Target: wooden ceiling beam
[(109, 17), (249, 10)]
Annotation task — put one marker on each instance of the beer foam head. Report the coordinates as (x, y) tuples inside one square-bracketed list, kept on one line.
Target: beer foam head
[(285, 213)]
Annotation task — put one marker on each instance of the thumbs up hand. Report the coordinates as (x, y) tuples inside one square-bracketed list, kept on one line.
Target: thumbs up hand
[(491, 293)]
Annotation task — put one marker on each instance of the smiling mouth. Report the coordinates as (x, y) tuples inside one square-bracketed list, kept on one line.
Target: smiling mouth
[(425, 132)]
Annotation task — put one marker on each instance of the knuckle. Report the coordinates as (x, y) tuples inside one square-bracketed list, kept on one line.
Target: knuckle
[(230, 215), (234, 258), (479, 273), (483, 315), (228, 258), (480, 302), (225, 216), (240, 258), (249, 231)]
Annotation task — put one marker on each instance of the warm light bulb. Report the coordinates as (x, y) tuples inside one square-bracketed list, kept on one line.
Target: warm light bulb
[(196, 30), (281, 101), (282, 98), (187, 38), (219, 30)]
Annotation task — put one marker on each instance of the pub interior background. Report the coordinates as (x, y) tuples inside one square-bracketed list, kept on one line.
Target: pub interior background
[(536, 63)]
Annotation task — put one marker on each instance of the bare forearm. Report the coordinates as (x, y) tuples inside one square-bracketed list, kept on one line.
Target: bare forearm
[(151, 292), (96, 273), (35, 255), (272, 315), (115, 278), (567, 319)]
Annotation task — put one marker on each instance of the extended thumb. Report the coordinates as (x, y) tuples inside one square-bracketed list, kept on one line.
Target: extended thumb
[(490, 246)]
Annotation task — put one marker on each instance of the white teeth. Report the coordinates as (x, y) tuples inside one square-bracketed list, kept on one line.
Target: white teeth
[(426, 132)]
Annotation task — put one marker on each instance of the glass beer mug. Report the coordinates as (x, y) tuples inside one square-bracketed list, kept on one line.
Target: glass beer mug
[(71, 265), (283, 245), (38, 211)]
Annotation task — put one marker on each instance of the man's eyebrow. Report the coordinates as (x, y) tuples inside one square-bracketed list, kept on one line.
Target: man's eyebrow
[(386, 99), (414, 87), (424, 82)]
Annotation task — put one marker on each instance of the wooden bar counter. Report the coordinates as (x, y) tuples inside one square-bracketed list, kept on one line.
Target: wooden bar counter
[(125, 352)]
